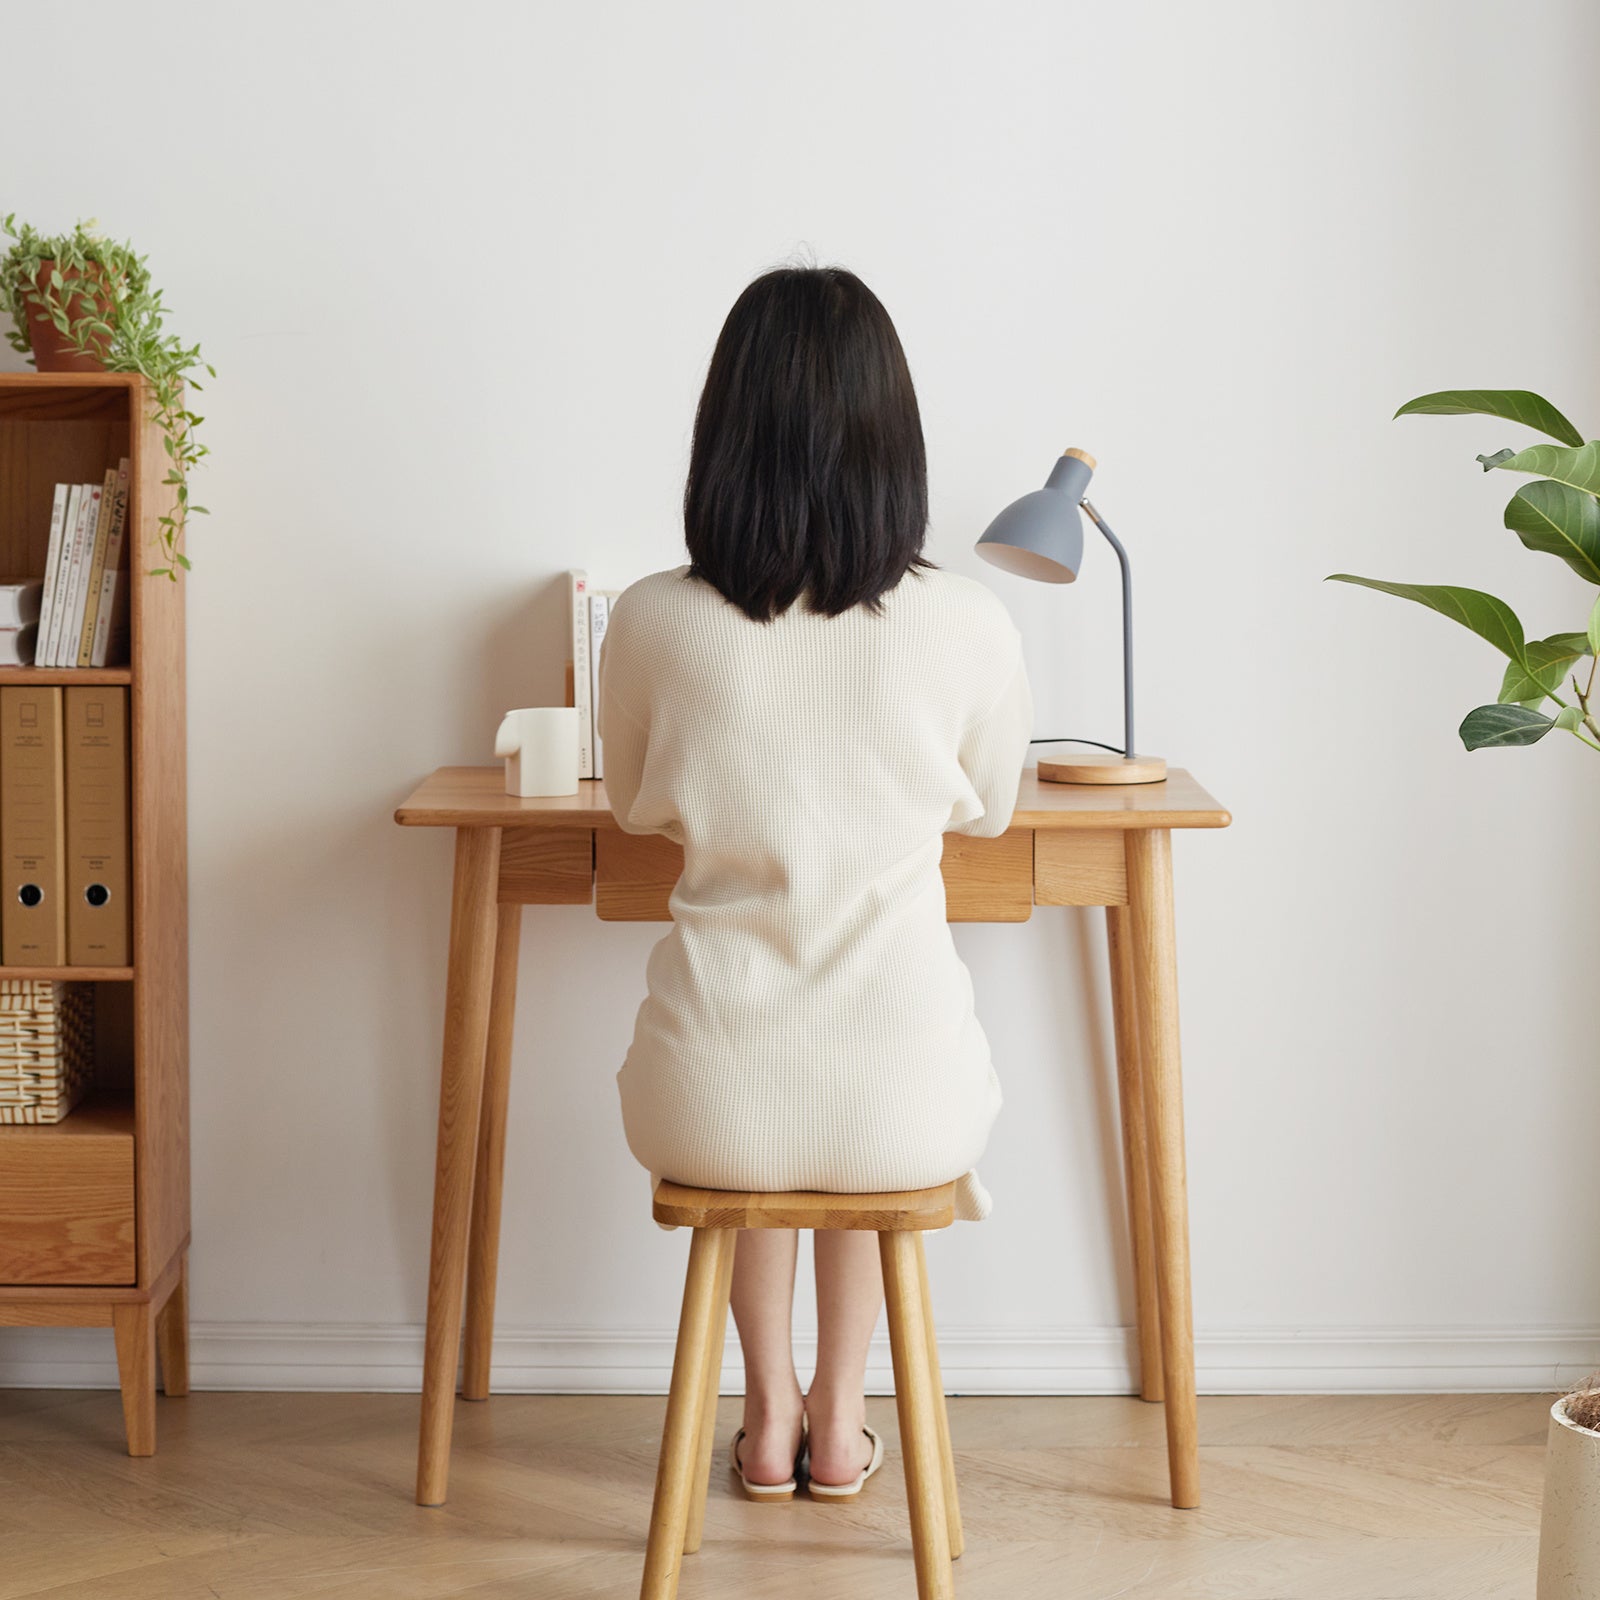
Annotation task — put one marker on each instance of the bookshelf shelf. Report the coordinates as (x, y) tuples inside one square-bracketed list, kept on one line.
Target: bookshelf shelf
[(72, 974), (93, 1118), (94, 1210), (66, 674)]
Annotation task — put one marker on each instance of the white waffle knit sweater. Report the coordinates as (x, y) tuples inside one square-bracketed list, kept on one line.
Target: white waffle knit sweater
[(808, 1022)]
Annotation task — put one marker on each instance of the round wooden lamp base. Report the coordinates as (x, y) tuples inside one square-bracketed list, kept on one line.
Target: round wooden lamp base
[(1106, 768)]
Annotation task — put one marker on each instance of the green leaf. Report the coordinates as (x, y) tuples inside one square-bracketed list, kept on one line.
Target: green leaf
[(1544, 665), (1579, 467), (1488, 727), (1569, 719), (1560, 521), (1488, 617), (1498, 459), (1515, 405), (1594, 628)]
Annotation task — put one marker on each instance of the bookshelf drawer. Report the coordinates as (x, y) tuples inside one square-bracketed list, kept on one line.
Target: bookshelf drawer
[(66, 1200)]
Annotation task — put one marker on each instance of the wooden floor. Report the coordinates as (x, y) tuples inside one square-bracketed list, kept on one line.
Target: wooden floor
[(264, 1495)]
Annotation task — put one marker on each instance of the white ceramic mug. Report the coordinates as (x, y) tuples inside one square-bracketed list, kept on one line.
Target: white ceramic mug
[(540, 746)]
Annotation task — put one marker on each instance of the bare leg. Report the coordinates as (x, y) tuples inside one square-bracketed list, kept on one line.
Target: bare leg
[(849, 1298), (763, 1307)]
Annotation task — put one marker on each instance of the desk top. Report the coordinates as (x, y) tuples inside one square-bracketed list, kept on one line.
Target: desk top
[(475, 797)]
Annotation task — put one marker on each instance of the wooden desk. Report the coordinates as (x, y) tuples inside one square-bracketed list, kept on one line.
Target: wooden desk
[(1067, 846)]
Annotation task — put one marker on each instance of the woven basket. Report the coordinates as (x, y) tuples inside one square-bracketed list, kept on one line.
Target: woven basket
[(46, 1047)]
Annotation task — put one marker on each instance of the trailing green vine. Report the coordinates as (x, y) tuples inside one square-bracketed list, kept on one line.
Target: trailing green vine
[(98, 295)]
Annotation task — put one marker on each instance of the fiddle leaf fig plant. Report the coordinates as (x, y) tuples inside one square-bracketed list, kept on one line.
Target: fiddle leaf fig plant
[(97, 297), (1558, 515)]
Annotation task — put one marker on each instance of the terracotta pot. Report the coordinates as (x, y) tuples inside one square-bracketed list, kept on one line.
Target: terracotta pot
[(1569, 1529), (52, 350)]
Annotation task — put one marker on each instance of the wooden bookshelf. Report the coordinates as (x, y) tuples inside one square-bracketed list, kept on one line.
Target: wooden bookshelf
[(94, 1210)]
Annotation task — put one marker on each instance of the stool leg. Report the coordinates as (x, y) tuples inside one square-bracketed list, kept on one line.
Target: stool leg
[(711, 1383), (1135, 1152), (483, 1239), (680, 1437), (941, 1411), (919, 1434)]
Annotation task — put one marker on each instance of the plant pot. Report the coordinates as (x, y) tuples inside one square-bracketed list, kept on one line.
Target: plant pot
[(52, 350), (1569, 1531)]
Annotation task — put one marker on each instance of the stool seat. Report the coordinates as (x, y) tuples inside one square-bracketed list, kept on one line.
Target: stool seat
[(909, 1211), (718, 1216)]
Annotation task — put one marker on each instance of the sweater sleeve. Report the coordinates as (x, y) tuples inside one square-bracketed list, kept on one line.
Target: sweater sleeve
[(625, 736), (992, 752)]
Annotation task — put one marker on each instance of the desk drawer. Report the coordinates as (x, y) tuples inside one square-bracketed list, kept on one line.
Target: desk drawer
[(66, 1200), (1080, 867), (546, 866), (985, 880)]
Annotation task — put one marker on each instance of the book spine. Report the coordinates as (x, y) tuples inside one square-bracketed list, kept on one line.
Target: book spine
[(49, 623), (113, 591), (599, 615), (580, 671), (72, 596), (33, 929), (58, 521), (116, 486), (82, 560)]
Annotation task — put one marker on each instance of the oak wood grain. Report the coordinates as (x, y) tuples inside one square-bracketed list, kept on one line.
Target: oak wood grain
[(875, 1213), (67, 1200), (475, 797)]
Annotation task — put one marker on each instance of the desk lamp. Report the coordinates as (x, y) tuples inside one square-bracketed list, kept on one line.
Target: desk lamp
[(1040, 536)]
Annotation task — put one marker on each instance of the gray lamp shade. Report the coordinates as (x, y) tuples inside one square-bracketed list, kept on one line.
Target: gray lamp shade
[(1040, 536)]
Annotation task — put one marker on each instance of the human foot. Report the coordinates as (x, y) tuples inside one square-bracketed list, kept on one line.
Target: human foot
[(838, 1450), (771, 1441)]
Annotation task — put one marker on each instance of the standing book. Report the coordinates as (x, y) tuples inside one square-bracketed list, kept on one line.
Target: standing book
[(114, 514), (578, 623), (63, 522), (71, 561), (95, 737), (111, 611), (93, 534), (599, 617), (33, 929)]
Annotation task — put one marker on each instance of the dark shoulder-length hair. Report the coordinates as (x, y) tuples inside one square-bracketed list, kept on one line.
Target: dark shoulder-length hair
[(808, 474)]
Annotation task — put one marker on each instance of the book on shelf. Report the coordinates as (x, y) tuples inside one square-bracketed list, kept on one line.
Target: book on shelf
[(588, 612), (19, 603), (64, 825), (17, 645), (82, 618), (19, 622)]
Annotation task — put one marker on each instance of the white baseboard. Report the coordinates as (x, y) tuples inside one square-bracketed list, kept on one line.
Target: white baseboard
[(388, 1358)]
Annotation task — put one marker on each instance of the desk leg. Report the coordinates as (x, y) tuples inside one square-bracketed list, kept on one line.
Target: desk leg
[(466, 1032), (1155, 971), (1135, 1151), (483, 1245)]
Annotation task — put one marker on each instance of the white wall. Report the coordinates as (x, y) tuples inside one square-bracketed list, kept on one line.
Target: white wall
[(460, 269)]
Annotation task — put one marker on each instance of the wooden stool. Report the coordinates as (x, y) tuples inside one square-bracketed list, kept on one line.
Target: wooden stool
[(687, 1441)]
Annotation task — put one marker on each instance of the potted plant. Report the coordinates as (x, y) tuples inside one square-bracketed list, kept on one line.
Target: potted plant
[(1569, 1531), (1557, 515), (82, 303)]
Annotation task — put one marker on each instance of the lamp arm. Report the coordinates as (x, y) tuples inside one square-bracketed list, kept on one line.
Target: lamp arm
[(1127, 628)]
